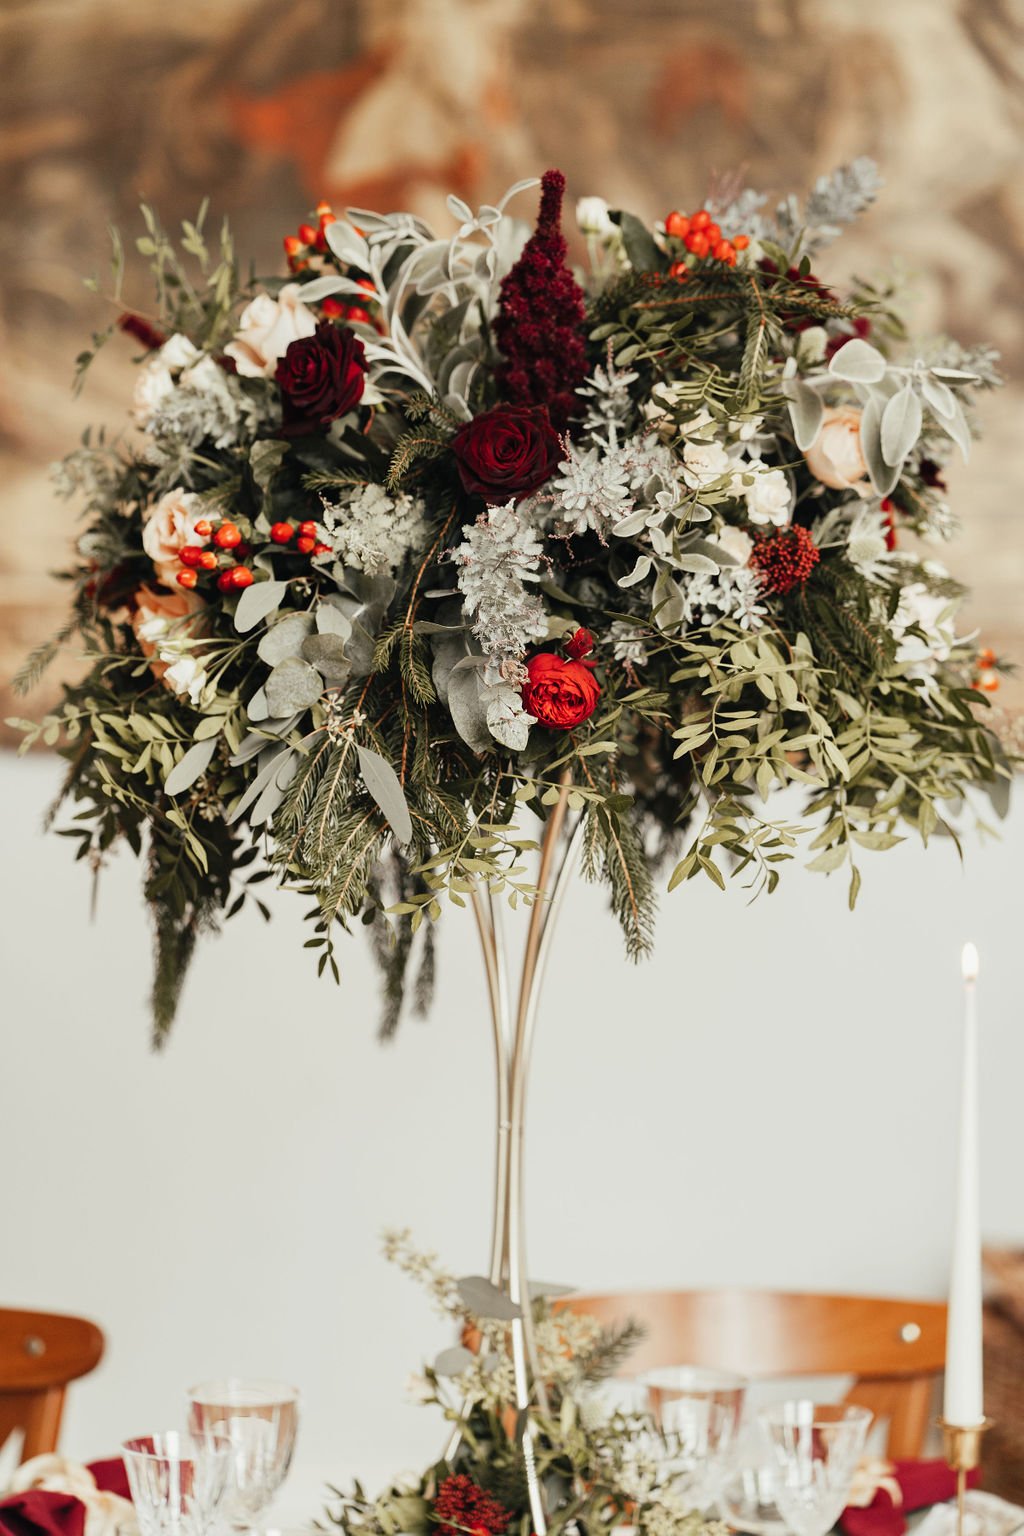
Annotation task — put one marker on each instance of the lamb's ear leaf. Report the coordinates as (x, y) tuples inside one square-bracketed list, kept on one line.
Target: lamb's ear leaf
[(195, 763), (806, 409), (901, 424), (883, 476), (383, 783), (858, 362)]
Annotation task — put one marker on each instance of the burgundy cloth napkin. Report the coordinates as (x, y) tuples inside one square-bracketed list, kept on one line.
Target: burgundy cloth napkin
[(39, 1512), (921, 1483), (111, 1476)]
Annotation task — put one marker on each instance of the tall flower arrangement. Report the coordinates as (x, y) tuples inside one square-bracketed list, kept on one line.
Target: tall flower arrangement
[(420, 534)]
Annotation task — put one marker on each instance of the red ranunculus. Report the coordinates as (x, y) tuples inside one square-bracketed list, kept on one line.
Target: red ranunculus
[(506, 453), (321, 377), (581, 644), (560, 694)]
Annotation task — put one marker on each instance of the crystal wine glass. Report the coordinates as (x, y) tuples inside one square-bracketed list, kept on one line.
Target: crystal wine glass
[(816, 1448), (697, 1413), (176, 1482), (259, 1419)]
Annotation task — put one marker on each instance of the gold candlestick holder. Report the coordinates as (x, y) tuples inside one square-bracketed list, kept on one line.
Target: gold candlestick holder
[(961, 1447)]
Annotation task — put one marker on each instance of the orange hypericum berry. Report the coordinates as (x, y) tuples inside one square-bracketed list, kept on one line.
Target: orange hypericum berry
[(322, 549), (679, 270), (986, 657), (741, 242), (292, 245), (700, 220), (207, 560), (307, 234), (307, 530), (187, 579), (358, 315), (203, 528), (988, 681), (228, 536), (333, 309), (713, 233), (697, 243), (677, 225), (322, 208), (241, 576), (367, 283), (305, 545), (225, 581), (190, 555), (282, 533)]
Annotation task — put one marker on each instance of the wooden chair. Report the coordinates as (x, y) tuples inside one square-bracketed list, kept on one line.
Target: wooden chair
[(40, 1352), (894, 1349)]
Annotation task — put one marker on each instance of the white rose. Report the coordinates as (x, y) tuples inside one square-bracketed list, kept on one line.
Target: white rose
[(178, 352), (933, 615), (153, 383), (156, 621), (593, 218), (812, 344), (186, 675), (768, 497), (703, 463), (734, 542), (266, 329), (168, 525), (836, 458)]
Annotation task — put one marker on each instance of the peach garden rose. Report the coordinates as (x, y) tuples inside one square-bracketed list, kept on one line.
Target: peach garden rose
[(836, 458)]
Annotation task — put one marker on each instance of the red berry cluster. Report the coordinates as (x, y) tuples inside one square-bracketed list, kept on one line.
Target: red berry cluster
[(307, 542), (985, 676), (196, 558), (310, 240), (540, 328), (702, 238), (461, 1506), (784, 559)]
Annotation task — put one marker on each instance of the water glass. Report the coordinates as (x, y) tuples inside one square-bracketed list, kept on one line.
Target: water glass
[(176, 1483), (259, 1419), (816, 1448), (697, 1413)]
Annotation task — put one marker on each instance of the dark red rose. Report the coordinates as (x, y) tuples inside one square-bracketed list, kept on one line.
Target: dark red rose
[(581, 644), (506, 453), (560, 694), (321, 377)]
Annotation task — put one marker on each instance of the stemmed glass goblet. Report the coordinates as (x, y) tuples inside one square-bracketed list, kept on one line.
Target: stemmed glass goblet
[(816, 1448), (697, 1413), (259, 1420)]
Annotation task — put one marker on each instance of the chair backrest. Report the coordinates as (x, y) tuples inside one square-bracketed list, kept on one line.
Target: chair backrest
[(894, 1349), (40, 1352)]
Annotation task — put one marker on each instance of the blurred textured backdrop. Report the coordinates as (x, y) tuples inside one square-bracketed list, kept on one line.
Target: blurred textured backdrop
[(268, 105)]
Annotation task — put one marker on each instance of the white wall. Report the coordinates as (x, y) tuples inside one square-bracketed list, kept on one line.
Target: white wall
[(769, 1100)]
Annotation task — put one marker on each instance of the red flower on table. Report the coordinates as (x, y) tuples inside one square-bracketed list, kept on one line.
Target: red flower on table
[(561, 694), (321, 377), (507, 453)]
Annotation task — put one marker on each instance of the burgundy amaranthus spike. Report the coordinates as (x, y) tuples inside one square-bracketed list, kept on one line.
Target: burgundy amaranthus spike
[(540, 327), (461, 1506), (148, 335)]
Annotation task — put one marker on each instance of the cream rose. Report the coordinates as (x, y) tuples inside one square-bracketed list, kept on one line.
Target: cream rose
[(266, 329), (835, 458), (167, 526)]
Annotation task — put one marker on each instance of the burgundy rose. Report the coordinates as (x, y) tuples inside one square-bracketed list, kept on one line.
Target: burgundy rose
[(507, 453), (560, 694), (321, 377)]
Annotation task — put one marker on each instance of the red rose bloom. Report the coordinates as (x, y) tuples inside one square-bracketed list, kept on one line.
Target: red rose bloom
[(560, 694), (321, 377), (505, 454)]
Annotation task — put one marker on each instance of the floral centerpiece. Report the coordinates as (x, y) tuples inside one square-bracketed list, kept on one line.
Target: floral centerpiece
[(434, 529), (427, 531)]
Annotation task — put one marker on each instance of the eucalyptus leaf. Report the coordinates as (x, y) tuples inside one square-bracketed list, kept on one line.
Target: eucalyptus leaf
[(274, 790), (331, 621), (453, 1361), (270, 763), (327, 654), (485, 1300), (384, 785), (293, 685), (858, 362), (257, 707), (901, 424), (191, 767), (256, 602), (254, 741), (284, 638), (265, 460)]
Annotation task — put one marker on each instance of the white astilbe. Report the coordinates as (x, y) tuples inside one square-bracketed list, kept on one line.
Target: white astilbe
[(207, 405), (372, 531), (610, 408), (592, 490), (500, 555), (627, 642)]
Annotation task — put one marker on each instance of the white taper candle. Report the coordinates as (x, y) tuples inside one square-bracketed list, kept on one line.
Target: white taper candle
[(964, 1401)]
